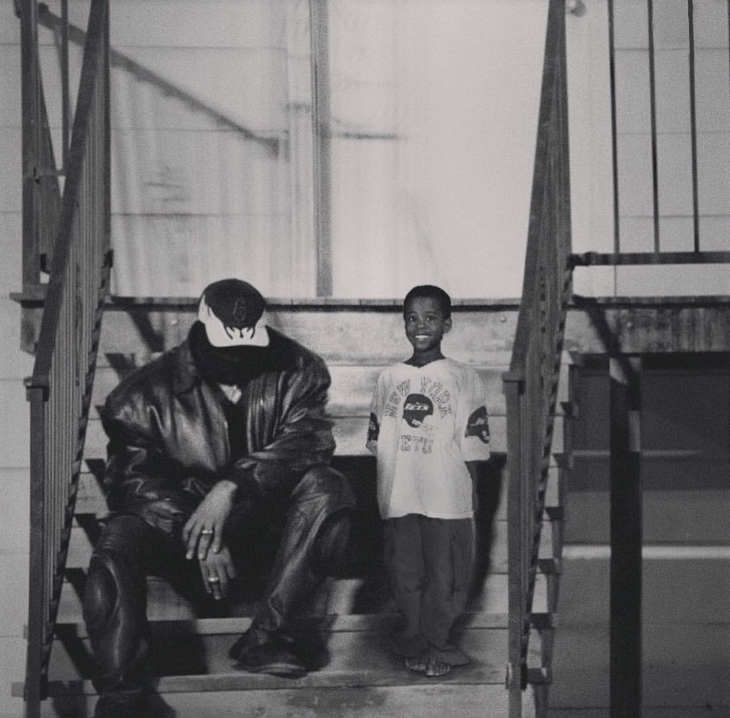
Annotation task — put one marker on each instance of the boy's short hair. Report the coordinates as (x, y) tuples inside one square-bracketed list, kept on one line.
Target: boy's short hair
[(432, 291)]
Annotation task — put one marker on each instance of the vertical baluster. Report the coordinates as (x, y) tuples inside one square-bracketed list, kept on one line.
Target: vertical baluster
[(65, 93), (728, 39), (614, 126), (693, 125), (652, 115)]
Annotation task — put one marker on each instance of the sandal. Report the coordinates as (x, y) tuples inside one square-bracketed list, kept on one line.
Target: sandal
[(417, 664), (436, 668)]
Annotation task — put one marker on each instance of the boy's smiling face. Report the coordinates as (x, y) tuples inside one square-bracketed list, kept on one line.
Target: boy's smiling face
[(425, 325)]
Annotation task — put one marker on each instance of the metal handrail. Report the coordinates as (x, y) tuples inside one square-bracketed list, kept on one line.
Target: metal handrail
[(59, 391), (530, 385)]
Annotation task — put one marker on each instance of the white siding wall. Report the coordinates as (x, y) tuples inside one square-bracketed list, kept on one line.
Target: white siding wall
[(592, 200)]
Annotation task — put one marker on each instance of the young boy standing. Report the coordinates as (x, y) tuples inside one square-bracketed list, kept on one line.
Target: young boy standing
[(428, 430)]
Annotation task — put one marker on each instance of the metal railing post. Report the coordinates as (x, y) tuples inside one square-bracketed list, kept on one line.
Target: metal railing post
[(35, 689), (626, 537)]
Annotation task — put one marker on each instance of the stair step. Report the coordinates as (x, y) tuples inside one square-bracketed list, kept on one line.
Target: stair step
[(669, 515), (90, 498), (422, 698), (679, 584), (683, 665), (362, 679), (349, 395), (349, 432), (355, 336), (353, 623), (347, 596), (189, 661), (80, 546)]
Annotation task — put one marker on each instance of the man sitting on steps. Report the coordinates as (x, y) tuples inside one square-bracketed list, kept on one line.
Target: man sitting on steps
[(218, 469)]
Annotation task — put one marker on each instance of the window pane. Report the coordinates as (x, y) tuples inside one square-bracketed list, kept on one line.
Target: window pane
[(430, 103), (211, 146)]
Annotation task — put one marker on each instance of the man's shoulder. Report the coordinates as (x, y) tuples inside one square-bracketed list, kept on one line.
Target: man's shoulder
[(291, 354), (158, 375)]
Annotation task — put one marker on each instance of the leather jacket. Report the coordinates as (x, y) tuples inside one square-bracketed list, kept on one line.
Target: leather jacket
[(168, 435)]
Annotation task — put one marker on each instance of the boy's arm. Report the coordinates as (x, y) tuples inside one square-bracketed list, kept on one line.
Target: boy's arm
[(373, 432), (476, 471), (371, 443), (475, 444)]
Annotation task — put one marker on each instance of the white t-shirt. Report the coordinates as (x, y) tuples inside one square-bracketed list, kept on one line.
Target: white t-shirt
[(425, 422)]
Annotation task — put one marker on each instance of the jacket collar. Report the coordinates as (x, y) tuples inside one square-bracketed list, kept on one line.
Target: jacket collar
[(185, 375)]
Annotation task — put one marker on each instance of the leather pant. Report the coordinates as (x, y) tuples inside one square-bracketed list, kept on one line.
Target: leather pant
[(298, 543)]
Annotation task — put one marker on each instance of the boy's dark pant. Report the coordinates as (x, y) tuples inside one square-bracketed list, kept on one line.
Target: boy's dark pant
[(429, 563)]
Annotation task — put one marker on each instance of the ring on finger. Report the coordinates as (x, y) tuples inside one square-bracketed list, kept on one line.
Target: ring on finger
[(206, 532), (213, 579)]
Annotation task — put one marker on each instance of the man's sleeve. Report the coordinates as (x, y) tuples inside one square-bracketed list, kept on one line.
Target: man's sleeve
[(475, 418), (138, 474), (303, 438)]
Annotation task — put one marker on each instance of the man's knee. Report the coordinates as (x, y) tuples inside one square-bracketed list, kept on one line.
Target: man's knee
[(326, 486), (101, 595), (122, 535), (114, 570)]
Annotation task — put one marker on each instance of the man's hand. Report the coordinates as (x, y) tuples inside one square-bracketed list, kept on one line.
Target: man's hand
[(204, 529), (217, 570)]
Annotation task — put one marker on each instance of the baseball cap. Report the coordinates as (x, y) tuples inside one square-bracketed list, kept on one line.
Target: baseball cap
[(231, 311)]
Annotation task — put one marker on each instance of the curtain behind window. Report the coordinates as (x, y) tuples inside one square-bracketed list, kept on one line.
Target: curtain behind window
[(211, 146), (429, 134), (430, 101)]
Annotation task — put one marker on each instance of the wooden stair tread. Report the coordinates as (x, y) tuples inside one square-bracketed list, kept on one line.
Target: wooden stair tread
[(422, 700), (165, 604), (352, 623), (90, 498), (350, 392), (357, 658), (80, 547), (336, 334), (349, 432)]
